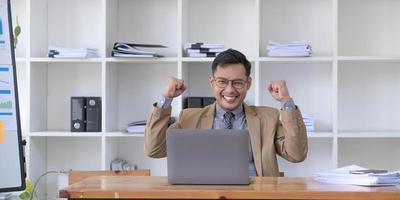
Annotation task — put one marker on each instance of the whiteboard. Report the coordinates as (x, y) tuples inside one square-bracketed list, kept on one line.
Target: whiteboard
[(12, 169)]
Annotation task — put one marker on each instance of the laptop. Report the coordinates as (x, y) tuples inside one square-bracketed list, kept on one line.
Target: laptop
[(208, 156)]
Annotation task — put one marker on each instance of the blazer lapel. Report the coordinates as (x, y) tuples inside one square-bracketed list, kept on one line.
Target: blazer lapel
[(207, 118), (253, 123)]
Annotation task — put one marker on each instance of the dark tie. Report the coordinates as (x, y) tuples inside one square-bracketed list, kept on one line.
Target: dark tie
[(228, 119)]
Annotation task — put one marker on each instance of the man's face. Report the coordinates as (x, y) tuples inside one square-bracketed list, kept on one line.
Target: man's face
[(230, 85)]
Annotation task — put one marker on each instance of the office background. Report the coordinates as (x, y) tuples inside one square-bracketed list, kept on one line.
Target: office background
[(350, 85)]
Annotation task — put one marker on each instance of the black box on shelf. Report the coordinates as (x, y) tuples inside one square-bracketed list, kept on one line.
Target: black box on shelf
[(93, 114), (208, 100), (85, 114), (78, 114), (193, 102), (198, 102)]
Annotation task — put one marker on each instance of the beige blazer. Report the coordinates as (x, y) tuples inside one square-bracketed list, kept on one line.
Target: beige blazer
[(269, 136)]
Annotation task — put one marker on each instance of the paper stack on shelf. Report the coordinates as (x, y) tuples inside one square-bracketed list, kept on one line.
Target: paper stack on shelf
[(309, 122), (63, 52), (139, 126), (292, 49), (130, 50), (119, 164), (203, 49), (344, 176), (136, 127)]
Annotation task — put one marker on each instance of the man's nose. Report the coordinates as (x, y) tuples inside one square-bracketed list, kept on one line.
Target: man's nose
[(230, 87)]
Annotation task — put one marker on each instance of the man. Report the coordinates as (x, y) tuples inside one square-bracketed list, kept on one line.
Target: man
[(230, 81)]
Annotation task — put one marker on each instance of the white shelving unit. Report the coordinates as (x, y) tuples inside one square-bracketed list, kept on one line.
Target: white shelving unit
[(350, 84)]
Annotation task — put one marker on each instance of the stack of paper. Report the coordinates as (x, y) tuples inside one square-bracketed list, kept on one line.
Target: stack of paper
[(292, 49), (119, 164), (62, 52), (309, 122), (129, 50), (343, 176), (203, 49), (136, 127)]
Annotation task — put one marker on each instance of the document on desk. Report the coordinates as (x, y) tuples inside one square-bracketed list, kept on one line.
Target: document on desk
[(343, 176)]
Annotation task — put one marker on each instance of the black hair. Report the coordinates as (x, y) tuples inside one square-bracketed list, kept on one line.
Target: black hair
[(231, 56)]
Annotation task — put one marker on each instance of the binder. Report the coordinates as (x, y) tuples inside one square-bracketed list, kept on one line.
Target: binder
[(85, 114), (93, 114), (78, 114)]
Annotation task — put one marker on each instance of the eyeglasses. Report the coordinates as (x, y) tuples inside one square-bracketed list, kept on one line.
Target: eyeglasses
[(223, 83)]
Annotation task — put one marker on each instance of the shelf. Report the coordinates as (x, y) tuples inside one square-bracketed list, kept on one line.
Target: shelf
[(188, 59), (372, 153), (62, 154), (20, 60), (123, 134), (366, 92), (143, 21), (319, 158), (297, 59), (353, 72), (141, 60), (73, 24), (369, 134), (53, 85), (65, 60), (209, 59), (368, 27), (320, 135), (369, 58), (82, 134), (304, 81), (287, 21), (125, 81), (213, 21), (64, 134)]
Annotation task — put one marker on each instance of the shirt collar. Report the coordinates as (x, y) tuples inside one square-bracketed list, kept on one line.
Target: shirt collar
[(220, 112)]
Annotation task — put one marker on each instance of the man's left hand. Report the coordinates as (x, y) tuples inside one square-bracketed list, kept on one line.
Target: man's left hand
[(279, 90)]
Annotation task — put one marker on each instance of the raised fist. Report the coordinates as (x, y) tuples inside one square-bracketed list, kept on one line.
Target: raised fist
[(174, 88), (279, 90)]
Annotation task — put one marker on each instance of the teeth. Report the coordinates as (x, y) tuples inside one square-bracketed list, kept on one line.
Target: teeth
[(229, 98)]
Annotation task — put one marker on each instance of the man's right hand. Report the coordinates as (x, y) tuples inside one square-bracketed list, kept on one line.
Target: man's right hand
[(174, 88)]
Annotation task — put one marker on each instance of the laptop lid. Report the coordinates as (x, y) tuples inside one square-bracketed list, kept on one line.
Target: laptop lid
[(208, 156)]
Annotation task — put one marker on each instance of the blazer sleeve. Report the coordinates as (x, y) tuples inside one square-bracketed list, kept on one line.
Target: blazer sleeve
[(155, 132), (291, 137)]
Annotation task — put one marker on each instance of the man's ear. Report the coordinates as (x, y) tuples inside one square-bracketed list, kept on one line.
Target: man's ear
[(210, 80), (249, 82)]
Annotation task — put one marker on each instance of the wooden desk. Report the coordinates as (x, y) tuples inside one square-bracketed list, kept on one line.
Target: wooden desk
[(260, 188)]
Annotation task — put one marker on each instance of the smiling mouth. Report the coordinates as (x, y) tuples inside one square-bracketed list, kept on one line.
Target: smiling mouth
[(230, 98)]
